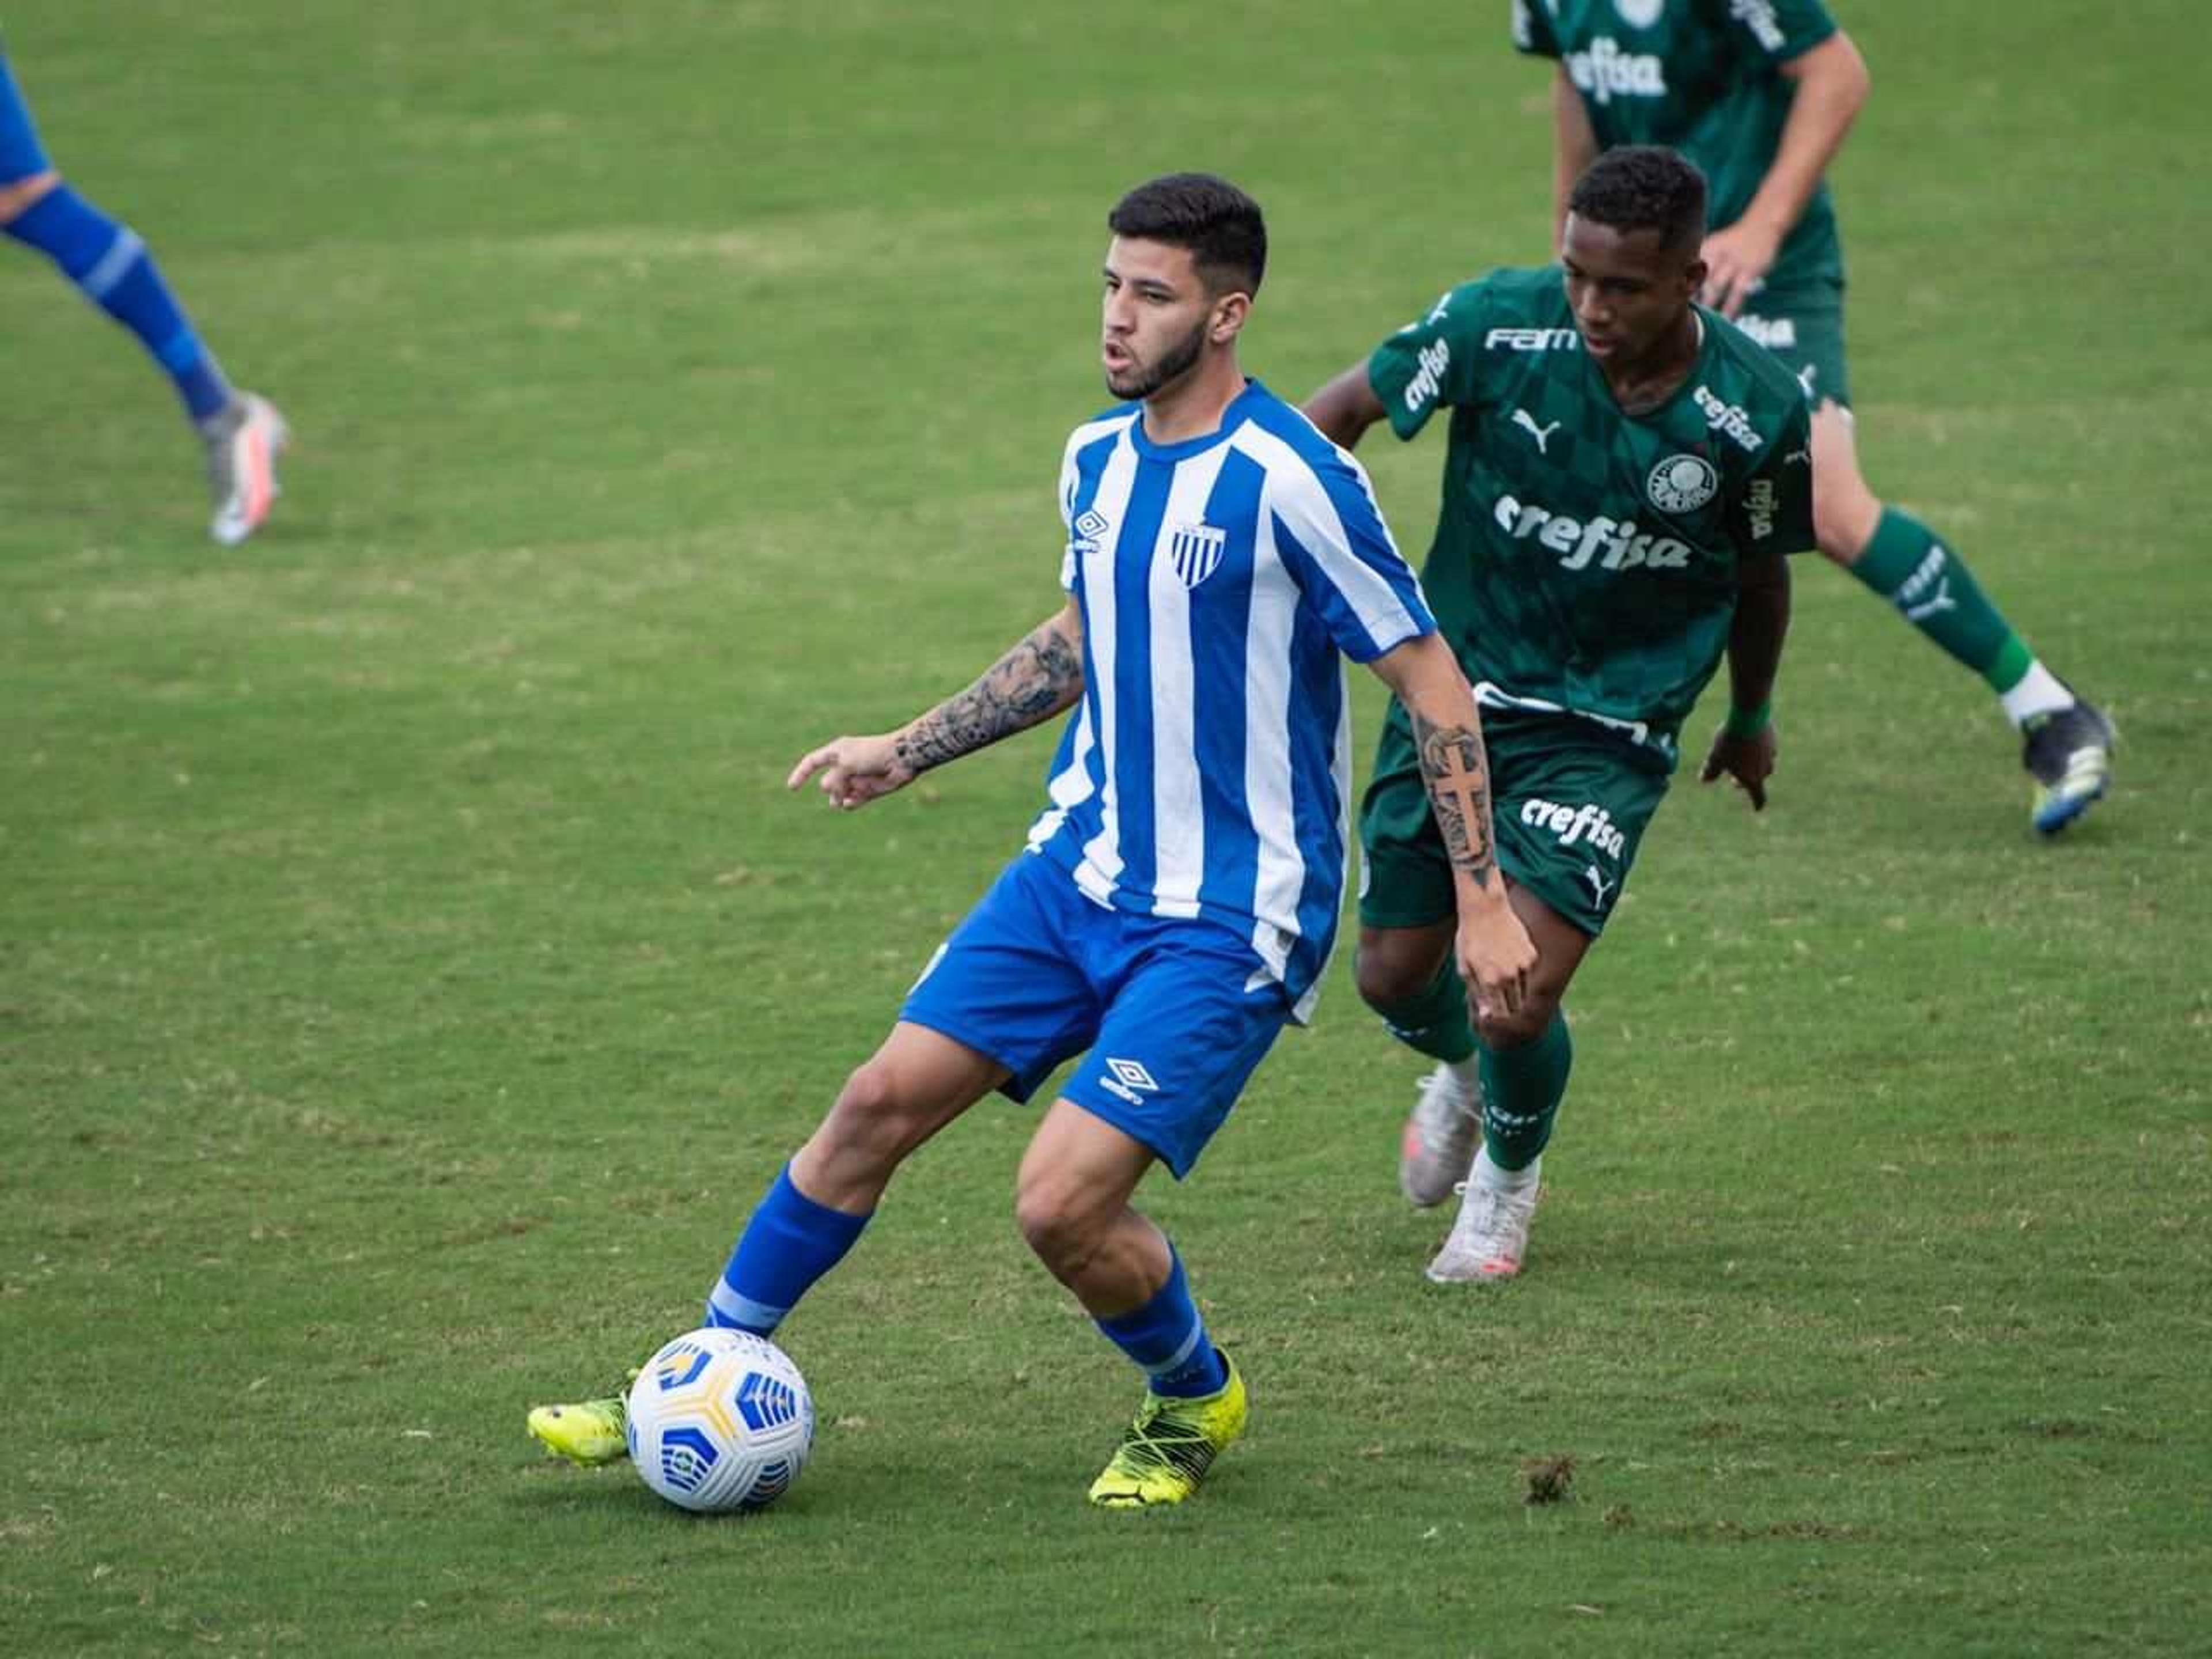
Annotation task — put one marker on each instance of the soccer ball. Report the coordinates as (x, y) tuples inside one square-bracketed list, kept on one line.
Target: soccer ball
[(720, 1419)]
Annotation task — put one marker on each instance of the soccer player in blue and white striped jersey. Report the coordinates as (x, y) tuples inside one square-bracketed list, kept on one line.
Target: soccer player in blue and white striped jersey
[(1177, 899)]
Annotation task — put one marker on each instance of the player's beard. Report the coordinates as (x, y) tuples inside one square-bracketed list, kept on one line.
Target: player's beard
[(1142, 381)]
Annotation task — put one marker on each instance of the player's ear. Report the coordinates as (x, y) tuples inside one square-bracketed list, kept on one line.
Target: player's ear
[(1229, 311), (1693, 277)]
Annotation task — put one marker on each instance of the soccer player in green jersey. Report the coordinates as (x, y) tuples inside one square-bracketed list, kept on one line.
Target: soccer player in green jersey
[(1760, 94), (1625, 475)]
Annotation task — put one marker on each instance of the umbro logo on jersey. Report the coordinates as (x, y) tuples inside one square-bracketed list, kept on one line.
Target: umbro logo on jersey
[(1731, 419), (1606, 72), (1128, 1081), (1542, 434), (1578, 543), (1570, 825), (1531, 339), (1090, 533), (1196, 550), (1682, 483)]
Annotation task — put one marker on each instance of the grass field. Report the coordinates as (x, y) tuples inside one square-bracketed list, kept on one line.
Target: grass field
[(411, 968)]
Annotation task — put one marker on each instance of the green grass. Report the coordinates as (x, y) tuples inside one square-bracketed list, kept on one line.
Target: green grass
[(410, 968)]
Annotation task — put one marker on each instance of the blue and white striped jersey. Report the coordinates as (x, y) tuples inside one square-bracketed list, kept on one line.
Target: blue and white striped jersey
[(1207, 771)]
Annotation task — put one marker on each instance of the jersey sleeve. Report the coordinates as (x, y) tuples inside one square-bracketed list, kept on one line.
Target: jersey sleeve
[(1532, 30), (1771, 510), (1431, 361), (1067, 478), (1781, 29), (1330, 536)]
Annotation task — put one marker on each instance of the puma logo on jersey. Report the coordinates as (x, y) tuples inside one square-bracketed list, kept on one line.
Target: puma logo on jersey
[(1571, 825), (1435, 358), (1578, 543), (1731, 419), (1606, 72), (1599, 885), (1927, 592), (1527, 423)]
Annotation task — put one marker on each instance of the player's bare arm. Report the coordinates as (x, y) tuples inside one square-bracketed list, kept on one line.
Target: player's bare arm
[(1038, 678), (1343, 409), (1495, 955), (1832, 83), (1745, 747), (1574, 147)]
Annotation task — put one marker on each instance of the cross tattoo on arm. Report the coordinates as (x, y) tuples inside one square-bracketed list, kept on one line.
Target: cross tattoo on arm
[(1456, 773)]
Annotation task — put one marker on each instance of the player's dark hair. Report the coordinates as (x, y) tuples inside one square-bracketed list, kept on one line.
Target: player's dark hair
[(1217, 221), (1643, 187)]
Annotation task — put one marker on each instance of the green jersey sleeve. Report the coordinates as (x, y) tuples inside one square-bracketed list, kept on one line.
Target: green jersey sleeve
[(1431, 361), (1532, 30), (1772, 511), (1781, 29)]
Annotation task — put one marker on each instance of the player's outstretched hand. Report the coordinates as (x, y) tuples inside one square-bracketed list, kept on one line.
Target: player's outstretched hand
[(855, 770), (1737, 259), (1749, 761), (1495, 957)]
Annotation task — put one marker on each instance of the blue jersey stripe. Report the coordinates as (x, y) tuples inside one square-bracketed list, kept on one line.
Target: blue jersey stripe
[(1220, 628)]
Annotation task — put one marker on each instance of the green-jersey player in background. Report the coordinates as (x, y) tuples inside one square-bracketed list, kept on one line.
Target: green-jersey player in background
[(1760, 94), (1624, 474)]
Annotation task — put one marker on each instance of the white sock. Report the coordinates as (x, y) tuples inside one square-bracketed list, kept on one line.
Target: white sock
[(2040, 692), (1466, 1078), (1505, 1181)]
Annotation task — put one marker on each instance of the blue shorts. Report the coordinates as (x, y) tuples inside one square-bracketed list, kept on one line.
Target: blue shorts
[(1176, 1013), (19, 154)]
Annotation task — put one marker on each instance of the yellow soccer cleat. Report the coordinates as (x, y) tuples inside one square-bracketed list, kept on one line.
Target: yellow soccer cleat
[(1166, 1452), (589, 1431)]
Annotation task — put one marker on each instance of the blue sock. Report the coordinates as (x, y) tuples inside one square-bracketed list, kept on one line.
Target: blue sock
[(113, 269), (1169, 1340), (790, 1241)]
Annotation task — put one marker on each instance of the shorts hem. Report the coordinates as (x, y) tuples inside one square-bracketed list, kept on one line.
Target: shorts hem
[(1146, 1135)]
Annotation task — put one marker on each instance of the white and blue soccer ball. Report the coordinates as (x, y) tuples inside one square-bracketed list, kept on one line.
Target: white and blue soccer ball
[(720, 1419)]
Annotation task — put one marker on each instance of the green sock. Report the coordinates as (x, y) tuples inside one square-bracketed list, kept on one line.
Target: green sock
[(1522, 1089), (1436, 1022), (1908, 564)]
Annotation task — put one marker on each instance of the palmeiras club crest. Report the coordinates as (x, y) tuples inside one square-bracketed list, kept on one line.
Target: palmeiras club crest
[(1196, 550)]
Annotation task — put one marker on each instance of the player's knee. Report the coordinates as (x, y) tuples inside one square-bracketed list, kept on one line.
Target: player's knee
[(872, 1114), (19, 196), (1389, 975), (1057, 1223), (1522, 1027)]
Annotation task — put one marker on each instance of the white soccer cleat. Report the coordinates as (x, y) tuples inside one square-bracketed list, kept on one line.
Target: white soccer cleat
[(1441, 1140), (242, 468), (1489, 1236)]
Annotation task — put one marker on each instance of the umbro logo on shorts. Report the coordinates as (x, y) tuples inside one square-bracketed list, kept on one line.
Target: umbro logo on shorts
[(1129, 1079)]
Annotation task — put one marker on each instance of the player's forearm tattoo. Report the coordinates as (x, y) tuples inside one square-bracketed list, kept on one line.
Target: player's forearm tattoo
[(1457, 774), (1033, 682)]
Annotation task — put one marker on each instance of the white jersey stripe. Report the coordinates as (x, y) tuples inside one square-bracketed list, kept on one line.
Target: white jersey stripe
[(1178, 814)]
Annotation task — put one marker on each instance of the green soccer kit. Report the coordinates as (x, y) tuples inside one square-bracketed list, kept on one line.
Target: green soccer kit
[(1702, 77), (1584, 570)]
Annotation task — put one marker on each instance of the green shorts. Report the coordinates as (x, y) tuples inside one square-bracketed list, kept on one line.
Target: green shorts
[(1567, 801), (1804, 327)]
